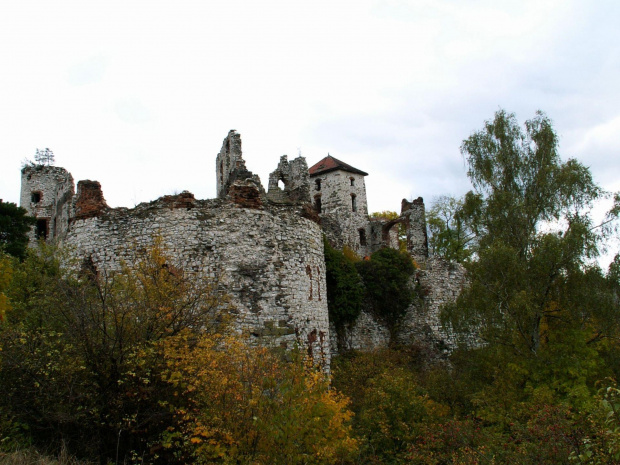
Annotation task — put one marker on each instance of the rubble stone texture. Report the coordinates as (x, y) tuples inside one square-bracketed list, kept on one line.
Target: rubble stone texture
[(46, 193), (262, 249), (295, 182)]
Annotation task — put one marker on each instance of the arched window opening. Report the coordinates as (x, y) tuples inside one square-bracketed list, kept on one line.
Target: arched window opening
[(352, 181), (353, 202), (318, 184)]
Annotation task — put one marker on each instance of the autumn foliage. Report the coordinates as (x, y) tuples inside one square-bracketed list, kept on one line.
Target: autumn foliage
[(138, 366)]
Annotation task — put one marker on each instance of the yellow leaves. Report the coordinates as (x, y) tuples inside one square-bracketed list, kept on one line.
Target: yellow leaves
[(243, 401), (6, 276)]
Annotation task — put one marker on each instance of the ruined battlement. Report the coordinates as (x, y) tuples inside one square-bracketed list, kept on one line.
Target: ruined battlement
[(264, 249)]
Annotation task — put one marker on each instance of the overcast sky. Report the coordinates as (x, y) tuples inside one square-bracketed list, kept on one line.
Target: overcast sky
[(139, 94)]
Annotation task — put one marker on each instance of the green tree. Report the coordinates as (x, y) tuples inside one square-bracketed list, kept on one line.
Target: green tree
[(44, 157), (6, 276), (14, 227), (345, 290), (530, 212), (450, 237), (387, 277), (82, 354)]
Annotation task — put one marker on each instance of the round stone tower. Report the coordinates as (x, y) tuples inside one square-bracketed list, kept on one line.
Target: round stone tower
[(46, 193), (339, 196)]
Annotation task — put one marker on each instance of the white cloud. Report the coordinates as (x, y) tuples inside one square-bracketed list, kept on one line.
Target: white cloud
[(139, 95)]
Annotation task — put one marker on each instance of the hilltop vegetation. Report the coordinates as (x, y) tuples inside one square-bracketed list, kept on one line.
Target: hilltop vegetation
[(138, 366)]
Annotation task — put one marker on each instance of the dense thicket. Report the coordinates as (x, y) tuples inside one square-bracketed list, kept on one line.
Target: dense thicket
[(14, 226), (382, 283), (137, 366), (536, 382)]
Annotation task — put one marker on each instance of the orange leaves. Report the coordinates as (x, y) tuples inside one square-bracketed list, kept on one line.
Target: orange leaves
[(243, 403)]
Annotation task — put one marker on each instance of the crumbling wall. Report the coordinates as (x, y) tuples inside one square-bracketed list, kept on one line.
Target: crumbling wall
[(295, 179), (54, 187), (89, 200), (231, 169), (270, 263), (415, 221), (439, 282)]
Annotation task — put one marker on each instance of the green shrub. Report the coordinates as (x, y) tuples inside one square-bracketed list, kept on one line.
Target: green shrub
[(387, 278), (344, 288)]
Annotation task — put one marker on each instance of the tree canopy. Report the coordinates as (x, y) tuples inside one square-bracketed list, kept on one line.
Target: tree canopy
[(450, 236), (530, 212), (44, 157), (14, 227)]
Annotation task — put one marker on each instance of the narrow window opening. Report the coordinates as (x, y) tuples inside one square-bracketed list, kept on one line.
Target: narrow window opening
[(352, 181), (353, 203), (318, 184), (40, 231), (317, 204), (362, 236), (35, 197)]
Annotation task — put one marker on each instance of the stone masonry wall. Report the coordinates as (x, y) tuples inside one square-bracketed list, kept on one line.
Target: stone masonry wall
[(294, 175), (89, 200), (415, 217), (439, 282), (55, 188), (336, 195), (270, 263)]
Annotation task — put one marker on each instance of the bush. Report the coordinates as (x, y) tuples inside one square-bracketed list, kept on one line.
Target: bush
[(387, 278), (344, 288)]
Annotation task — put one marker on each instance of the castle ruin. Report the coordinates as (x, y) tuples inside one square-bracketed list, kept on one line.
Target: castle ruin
[(264, 248)]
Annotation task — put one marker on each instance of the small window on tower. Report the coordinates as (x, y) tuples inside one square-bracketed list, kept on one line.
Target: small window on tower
[(318, 184), (362, 232), (40, 231), (35, 197), (317, 203), (353, 203), (352, 181)]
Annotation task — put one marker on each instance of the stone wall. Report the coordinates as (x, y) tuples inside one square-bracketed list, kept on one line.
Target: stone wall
[(343, 223), (264, 250), (438, 282), (53, 186), (230, 168), (89, 200), (295, 179), (415, 221), (270, 263)]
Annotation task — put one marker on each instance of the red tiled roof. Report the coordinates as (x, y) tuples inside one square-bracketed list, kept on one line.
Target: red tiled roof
[(330, 163)]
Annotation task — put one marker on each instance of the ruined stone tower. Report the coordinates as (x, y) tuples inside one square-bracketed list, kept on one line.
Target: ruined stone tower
[(46, 193), (264, 250), (339, 196)]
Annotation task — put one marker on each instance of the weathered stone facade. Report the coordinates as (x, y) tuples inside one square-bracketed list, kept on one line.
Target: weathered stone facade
[(263, 249), (47, 194), (270, 263)]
